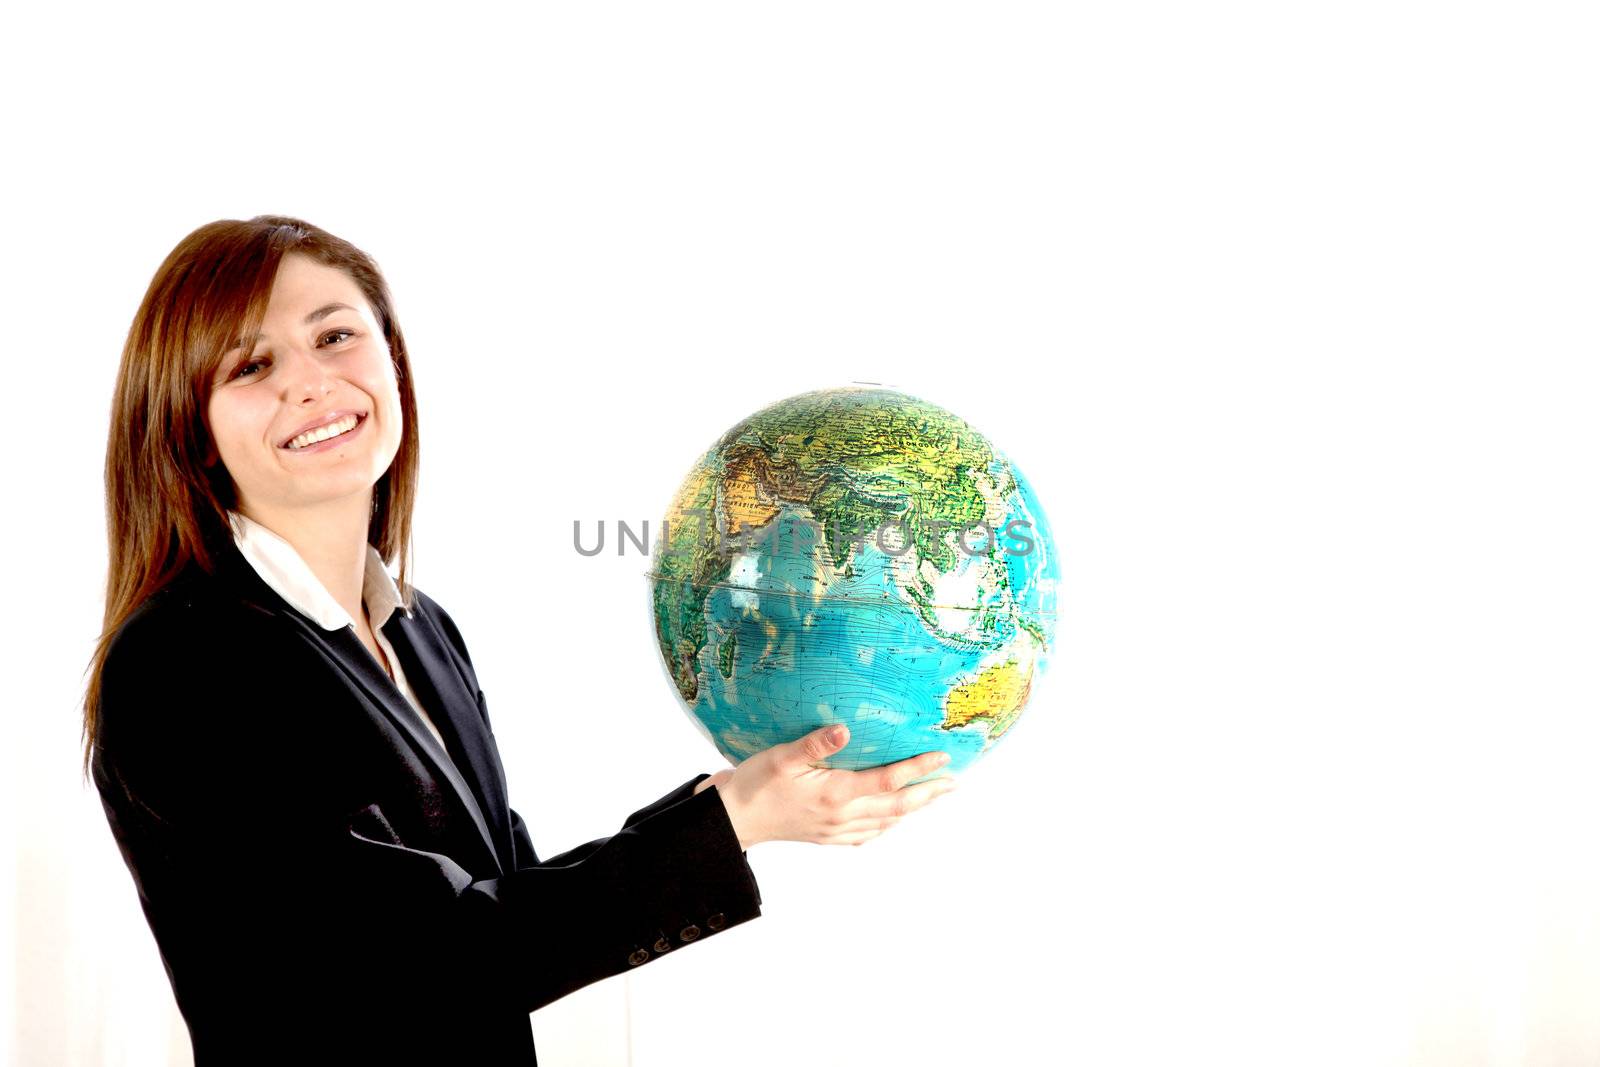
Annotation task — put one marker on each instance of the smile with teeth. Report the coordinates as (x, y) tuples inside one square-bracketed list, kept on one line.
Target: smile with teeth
[(322, 433)]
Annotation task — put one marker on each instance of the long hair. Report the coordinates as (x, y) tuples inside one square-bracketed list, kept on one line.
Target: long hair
[(165, 507)]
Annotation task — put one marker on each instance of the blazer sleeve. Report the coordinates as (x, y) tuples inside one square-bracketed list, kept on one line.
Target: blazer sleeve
[(526, 857), (271, 894)]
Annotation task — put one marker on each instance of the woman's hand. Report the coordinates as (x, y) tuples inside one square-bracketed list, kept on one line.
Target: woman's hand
[(777, 795)]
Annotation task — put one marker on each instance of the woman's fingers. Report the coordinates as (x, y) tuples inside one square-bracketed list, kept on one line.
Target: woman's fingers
[(868, 824), (788, 793), (891, 778), (869, 811)]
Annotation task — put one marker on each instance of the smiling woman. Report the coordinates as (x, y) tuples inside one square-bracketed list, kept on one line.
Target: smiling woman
[(319, 832)]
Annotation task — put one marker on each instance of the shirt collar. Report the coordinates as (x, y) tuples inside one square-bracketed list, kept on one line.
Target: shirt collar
[(282, 568)]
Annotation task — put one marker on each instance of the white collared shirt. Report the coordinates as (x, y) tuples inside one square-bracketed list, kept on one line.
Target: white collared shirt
[(282, 568)]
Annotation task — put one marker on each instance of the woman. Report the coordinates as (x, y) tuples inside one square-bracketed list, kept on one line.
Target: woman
[(292, 748)]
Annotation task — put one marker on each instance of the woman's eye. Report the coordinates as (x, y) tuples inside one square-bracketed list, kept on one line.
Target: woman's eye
[(341, 334)]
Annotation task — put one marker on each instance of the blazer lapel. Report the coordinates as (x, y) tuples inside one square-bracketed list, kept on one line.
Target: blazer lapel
[(439, 684), (425, 672)]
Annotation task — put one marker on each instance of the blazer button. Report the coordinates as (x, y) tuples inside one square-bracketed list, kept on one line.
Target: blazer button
[(637, 957), (663, 945), (717, 921), (689, 933)]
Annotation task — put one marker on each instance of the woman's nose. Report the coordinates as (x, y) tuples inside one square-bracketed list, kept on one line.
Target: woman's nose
[(305, 375)]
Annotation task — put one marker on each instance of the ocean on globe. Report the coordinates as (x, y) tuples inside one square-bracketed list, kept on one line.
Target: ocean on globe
[(855, 556)]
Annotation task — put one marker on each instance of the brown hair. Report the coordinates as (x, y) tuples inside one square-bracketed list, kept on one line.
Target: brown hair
[(164, 505)]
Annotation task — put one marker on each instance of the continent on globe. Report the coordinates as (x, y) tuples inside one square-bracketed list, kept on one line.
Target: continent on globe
[(857, 556)]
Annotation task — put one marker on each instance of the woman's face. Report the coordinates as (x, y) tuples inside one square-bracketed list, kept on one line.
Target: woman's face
[(313, 359)]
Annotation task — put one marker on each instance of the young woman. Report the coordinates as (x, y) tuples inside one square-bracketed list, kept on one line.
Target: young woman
[(292, 748)]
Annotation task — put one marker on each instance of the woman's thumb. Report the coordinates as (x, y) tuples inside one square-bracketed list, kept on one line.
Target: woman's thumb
[(823, 742)]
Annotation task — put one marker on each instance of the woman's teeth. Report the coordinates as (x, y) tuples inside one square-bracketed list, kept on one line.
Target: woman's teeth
[(322, 433)]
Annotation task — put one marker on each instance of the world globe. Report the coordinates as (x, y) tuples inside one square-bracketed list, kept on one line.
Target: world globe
[(855, 556)]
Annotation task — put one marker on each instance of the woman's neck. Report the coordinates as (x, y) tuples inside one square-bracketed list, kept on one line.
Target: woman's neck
[(332, 539)]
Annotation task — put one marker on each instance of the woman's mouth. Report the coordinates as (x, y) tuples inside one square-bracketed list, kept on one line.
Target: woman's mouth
[(326, 437)]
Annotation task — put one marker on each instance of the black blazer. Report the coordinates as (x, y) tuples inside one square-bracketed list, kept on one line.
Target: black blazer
[(323, 882)]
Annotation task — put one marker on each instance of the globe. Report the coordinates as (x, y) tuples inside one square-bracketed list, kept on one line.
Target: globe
[(855, 556)]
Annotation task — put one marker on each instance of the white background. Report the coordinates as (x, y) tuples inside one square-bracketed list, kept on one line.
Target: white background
[(1288, 313)]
